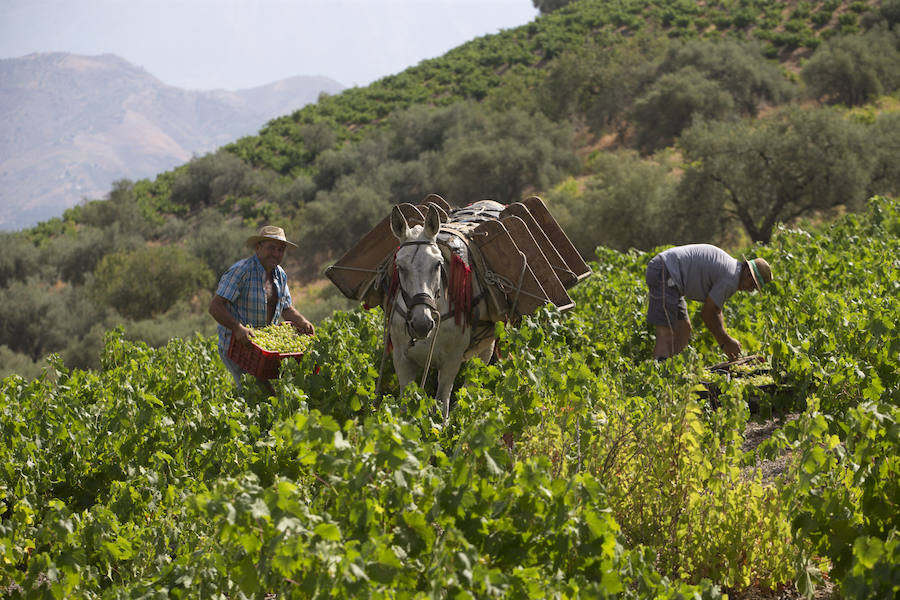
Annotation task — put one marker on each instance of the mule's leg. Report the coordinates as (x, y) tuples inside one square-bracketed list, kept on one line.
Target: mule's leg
[(405, 368), (446, 377), (486, 354)]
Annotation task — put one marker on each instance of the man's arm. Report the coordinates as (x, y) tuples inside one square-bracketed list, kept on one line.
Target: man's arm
[(218, 308), (712, 317), (300, 322)]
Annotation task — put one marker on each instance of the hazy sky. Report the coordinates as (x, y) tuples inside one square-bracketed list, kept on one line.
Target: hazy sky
[(238, 44)]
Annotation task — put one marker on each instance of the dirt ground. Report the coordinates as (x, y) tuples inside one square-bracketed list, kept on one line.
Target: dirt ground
[(754, 434)]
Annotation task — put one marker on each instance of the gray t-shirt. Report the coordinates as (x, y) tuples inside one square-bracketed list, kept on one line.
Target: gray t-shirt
[(701, 270)]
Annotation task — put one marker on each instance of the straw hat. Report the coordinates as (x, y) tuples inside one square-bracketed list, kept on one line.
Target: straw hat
[(268, 232), (759, 270)]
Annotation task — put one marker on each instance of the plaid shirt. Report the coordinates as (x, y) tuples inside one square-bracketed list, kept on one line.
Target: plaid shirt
[(243, 285)]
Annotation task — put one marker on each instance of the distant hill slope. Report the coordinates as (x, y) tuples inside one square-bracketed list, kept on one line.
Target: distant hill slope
[(74, 124)]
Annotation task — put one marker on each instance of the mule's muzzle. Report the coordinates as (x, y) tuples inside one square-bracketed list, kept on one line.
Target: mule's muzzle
[(419, 323)]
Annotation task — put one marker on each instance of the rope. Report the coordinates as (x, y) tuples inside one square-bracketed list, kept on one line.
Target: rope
[(393, 289), (565, 270), (506, 286), (515, 303), (437, 328), (354, 269)]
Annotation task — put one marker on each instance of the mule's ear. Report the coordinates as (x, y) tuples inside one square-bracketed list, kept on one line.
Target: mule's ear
[(399, 226), (432, 221)]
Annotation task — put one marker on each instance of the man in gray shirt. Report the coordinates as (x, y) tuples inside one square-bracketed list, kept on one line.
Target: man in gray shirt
[(703, 273)]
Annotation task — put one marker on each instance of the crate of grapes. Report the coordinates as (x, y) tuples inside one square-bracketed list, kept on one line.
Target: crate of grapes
[(267, 348)]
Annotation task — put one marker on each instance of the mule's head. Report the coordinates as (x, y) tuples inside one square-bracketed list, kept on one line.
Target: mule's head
[(420, 266)]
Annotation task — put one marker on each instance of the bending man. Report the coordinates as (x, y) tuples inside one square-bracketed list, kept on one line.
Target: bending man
[(703, 273), (254, 291)]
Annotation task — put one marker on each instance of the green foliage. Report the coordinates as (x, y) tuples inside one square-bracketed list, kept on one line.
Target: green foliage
[(548, 6), (76, 255), (885, 145), (207, 180), (337, 218), (147, 281), (15, 363), (790, 164), (852, 70), (119, 209), (574, 467), (28, 307), (217, 242), (19, 257), (672, 103), (886, 14), (600, 80), (499, 156), (626, 204), (739, 67)]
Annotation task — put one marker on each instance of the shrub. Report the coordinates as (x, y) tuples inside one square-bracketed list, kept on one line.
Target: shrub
[(672, 102), (853, 70), (147, 281)]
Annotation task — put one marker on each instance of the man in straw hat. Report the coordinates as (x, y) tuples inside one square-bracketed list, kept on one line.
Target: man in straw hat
[(254, 292), (703, 273)]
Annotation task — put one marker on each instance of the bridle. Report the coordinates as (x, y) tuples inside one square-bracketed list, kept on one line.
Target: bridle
[(411, 301), (423, 298)]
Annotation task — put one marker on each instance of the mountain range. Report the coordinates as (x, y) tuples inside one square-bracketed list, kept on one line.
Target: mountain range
[(74, 124)]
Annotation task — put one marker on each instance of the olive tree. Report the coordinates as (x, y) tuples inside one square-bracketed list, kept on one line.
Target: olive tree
[(739, 67), (499, 156), (598, 82), (337, 218), (119, 208), (885, 147), (548, 6), (77, 254), (37, 318), (791, 164), (147, 281), (673, 102), (217, 242), (19, 257), (851, 70), (207, 179), (627, 204)]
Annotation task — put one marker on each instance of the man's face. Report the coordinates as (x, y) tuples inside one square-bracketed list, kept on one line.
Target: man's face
[(270, 253), (746, 284)]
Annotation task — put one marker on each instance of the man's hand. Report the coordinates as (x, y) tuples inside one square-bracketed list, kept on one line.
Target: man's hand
[(712, 317), (732, 348), (241, 334), (300, 323), (303, 326)]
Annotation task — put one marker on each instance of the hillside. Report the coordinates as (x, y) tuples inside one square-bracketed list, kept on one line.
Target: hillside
[(74, 124), (642, 123)]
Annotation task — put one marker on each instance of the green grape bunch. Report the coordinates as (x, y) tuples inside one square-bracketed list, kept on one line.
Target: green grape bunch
[(281, 338)]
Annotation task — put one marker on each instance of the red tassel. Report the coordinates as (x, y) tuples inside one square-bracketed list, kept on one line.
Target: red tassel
[(460, 291)]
